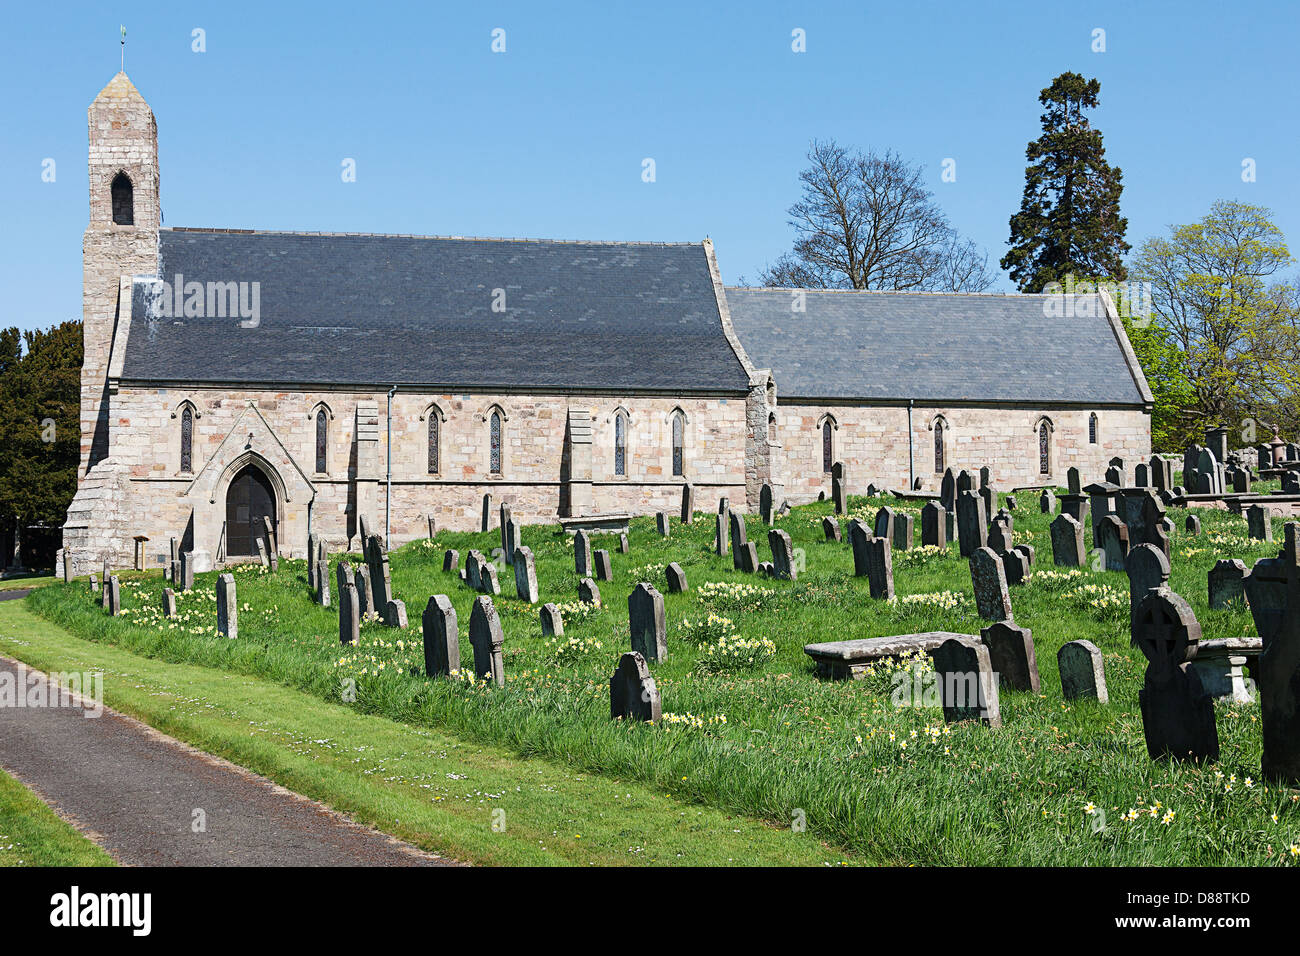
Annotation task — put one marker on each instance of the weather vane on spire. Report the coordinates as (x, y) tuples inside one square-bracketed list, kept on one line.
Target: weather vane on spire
[(123, 48)]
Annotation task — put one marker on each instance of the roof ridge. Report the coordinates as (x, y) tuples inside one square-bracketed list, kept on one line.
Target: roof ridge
[(787, 288), (407, 235)]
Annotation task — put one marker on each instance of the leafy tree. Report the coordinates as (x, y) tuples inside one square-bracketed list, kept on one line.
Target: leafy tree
[(866, 221), (1166, 374), (1217, 303), (1069, 221)]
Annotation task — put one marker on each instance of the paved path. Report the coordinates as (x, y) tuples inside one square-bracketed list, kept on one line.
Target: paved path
[(135, 792)]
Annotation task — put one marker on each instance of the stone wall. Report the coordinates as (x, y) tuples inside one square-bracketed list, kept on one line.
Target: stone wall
[(873, 442)]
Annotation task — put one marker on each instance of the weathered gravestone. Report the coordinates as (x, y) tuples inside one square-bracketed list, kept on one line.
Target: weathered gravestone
[(588, 593), (1273, 590), (1011, 655), (721, 533), (765, 503), (504, 515), (381, 585), (989, 580), (227, 607), (322, 584), (1141, 475), (839, 496), (1177, 710), (972, 530), (859, 540), (688, 504), (747, 558), (1016, 564), (934, 526), (364, 601), (830, 528), (904, 525), (487, 512), (966, 683), (645, 615), (187, 570), (1258, 525), (344, 576), (94, 583), (623, 547), (879, 567), (168, 602), (113, 596), (1083, 673), (739, 538), (661, 524), (349, 614), (783, 565), (486, 636), (1148, 570), (1068, 550), (632, 691), (395, 613), (552, 621), (676, 578), (999, 539), (1227, 582), (884, 526), (1047, 502), (311, 560), (582, 554), (1112, 539), (450, 559), (1192, 525), (526, 574), (604, 567), (487, 578)]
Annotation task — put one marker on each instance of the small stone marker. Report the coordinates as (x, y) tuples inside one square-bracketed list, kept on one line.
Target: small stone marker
[(487, 578), (972, 525), (227, 607), (526, 574), (187, 570), (632, 691), (1258, 525), (859, 539), (676, 578), (1047, 502), (884, 525), (441, 637), (1148, 570), (831, 528), (395, 614), (474, 569), (168, 602), (966, 684), (720, 540), (604, 568), (1111, 536), (879, 568), (113, 596), (1011, 655), (645, 613), (1068, 549), (989, 579), (782, 555), (588, 593), (1082, 672), (487, 638), (688, 504), (747, 558), (623, 547), (94, 583), (1177, 710), (450, 559), (1227, 582), (661, 524), (904, 525), (364, 602), (322, 584), (934, 525), (552, 621), (349, 614), (765, 503), (582, 554), (1192, 525)]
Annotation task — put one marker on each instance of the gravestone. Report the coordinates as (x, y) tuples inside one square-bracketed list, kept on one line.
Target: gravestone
[(1012, 504), (381, 585), (395, 613), (903, 531), (676, 578), (187, 570), (1241, 482), (1112, 539), (349, 614), (1141, 476), (934, 526), (765, 503), (879, 568), (503, 520), (311, 560), (989, 580), (1177, 710), (1273, 590), (322, 584), (948, 491), (1258, 525), (990, 499), (588, 593), (487, 513), (526, 574), (263, 555), (486, 637), (623, 547), (632, 691), (839, 497), (450, 559), (1192, 525), (168, 602), (1148, 570), (227, 607), (966, 683), (1015, 565), (831, 528), (1011, 655), (113, 596), (859, 540), (174, 560), (748, 558), (739, 538), (972, 530), (487, 578), (649, 629), (344, 576), (582, 554), (364, 602), (782, 555), (721, 534), (1047, 502), (552, 621), (604, 567), (1227, 582), (1083, 673), (661, 523), (432, 526), (999, 539), (688, 504), (884, 525), (1068, 550)]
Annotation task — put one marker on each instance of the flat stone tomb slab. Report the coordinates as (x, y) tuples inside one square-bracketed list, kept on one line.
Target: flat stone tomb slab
[(848, 660)]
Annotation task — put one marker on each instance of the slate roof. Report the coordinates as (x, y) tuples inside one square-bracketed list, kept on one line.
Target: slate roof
[(406, 310), (932, 346)]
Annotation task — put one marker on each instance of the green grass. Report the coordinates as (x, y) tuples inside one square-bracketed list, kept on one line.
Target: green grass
[(428, 787), (30, 581), (773, 741), (31, 834)]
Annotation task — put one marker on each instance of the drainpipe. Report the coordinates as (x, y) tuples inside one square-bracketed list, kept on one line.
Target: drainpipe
[(388, 493), (911, 458)]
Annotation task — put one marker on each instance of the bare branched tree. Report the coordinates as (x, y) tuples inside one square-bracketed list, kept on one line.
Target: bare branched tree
[(866, 221)]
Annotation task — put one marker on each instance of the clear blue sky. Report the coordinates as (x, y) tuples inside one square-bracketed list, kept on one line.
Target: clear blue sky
[(547, 139)]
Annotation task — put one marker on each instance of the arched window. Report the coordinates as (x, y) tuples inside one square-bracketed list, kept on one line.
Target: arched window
[(620, 444), (938, 447), (434, 435), (679, 443), (1044, 448), (828, 447), (1092, 429), (187, 440), (123, 200), (494, 442), (322, 441), (771, 427)]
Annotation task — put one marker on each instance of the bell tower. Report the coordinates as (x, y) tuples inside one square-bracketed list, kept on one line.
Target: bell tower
[(121, 240)]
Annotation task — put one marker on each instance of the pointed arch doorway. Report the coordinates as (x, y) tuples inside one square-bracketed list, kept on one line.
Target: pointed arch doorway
[(249, 499)]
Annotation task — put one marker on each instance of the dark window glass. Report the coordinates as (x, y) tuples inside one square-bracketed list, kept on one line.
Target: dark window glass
[(828, 453), (620, 444), (1044, 450), (187, 440), (1092, 429), (938, 446), (494, 463), (679, 440), (433, 442), (123, 200), (322, 430)]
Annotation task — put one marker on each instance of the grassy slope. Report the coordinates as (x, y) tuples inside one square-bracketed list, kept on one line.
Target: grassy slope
[(791, 745), (425, 786), (31, 835)]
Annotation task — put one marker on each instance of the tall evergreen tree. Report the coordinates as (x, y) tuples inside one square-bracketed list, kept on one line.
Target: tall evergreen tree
[(1069, 222)]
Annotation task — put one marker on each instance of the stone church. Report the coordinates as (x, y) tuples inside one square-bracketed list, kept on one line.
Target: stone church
[(316, 379)]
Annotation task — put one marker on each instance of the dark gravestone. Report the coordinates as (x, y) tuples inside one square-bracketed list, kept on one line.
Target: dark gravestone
[(747, 558), (504, 526), (487, 638), (884, 526), (364, 594), (1112, 539), (487, 578), (168, 602), (1177, 710), (604, 568), (904, 525), (934, 527), (948, 491), (486, 523), (311, 560), (1227, 582), (1012, 504), (526, 574), (349, 614), (990, 499), (1083, 673), (782, 554), (344, 576), (967, 686), (581, 553), (588, 593), (972, 531), (1258, 525), (1141, 475), (552, 621), (646, 621), (721, 533), (1011, 655), (632, 691), (322, 584), (1148, 570), (989, 580), (688, 504), (999, 539), (831, 528), (765, 503), (1015, 565), (113, 597), (450, 560), (1192, 525), (1241, 482), (879, 568), (1047, 502), (839, 497), (676, 578), (1068, 550), (395, 613), (1273, 589), (661, 524), (227, 606), (739, 538), (859, 540)]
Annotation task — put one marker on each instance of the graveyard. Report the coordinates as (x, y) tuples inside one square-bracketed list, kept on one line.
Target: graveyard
[(675, 656)]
